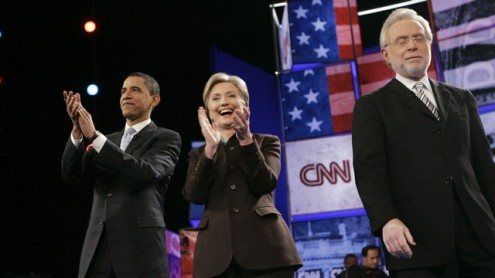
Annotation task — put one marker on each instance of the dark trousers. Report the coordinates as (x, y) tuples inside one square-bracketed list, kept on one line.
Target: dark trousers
[(471, 259), (236, 271), (101, 266)]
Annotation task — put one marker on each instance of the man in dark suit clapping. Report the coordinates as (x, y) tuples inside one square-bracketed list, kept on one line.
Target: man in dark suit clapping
[(125, 236)]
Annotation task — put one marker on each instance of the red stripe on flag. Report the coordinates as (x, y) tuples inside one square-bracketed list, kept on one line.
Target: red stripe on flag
[(348, 32), (341, 96), (373, 72), (342, 123), (342, 103), (339, 78)]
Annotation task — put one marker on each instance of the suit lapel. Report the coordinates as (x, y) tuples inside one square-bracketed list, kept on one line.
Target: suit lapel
[(443, 100), (116, 137), (408, 98), (140, 137)]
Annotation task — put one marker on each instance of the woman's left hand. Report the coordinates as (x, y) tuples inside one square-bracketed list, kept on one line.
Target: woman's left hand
[(241, 126)]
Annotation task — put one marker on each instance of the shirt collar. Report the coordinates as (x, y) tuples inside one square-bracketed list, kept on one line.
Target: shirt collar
[(410, 83), (139, 126)]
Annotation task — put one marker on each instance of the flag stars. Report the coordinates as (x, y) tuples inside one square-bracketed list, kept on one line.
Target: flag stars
[(303, 39), (321, 51), (314, 125), (314, 31), (292, 85), (311, 96), (306, 111), (300, 12), (309, 72), (296, 114), (319, 25)]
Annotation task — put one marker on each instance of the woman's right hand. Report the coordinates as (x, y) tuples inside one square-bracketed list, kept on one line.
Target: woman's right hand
[(210, 133)]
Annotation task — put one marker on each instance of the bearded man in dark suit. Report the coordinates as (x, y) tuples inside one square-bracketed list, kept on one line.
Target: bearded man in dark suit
[(423, 166)]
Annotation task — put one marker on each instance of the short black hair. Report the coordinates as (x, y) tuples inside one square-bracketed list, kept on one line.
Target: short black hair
[(364, 251), (149, 81), (350, 255)]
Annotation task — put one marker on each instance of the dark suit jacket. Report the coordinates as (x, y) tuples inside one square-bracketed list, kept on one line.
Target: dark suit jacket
[(408, 165), (360, 271), (129, 190), (240, 219)]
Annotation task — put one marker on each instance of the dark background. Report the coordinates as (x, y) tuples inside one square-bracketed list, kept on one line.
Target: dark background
[(44, 50)]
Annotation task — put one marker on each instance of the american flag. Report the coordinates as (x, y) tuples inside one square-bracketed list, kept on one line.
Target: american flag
[(305, 104), (374, 73), (468, 61), (324, 30), (466, 35), (348, 31), (313, 31), (459, 17), (284, 40), (342, 96)]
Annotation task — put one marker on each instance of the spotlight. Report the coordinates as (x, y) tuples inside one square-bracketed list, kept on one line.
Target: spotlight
[(89, 26), (92, 89)]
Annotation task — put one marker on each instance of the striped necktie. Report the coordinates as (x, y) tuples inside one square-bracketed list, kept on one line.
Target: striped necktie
[(421, 94)]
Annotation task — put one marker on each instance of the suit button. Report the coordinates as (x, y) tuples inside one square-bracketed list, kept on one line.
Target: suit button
[(233, 187), (102, 221), (437, 131), (109, 195), (235, 209), (232, 167), (231, 148)]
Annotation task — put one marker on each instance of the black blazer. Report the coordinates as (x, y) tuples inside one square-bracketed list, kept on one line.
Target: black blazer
[(240, 219), (129, 191), (408, 165)]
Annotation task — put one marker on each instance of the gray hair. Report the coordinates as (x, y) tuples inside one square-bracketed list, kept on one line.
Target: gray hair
[(401, 14)]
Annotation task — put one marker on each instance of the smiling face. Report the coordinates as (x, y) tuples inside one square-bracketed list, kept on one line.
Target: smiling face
[(412, 59), (223, 99), (136, 102)]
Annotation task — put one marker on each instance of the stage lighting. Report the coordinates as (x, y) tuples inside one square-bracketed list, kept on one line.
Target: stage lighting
[(89, 26), (92, 89)]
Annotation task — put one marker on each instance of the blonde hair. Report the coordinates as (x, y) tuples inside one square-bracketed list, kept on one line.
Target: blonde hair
[(223, 77)]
